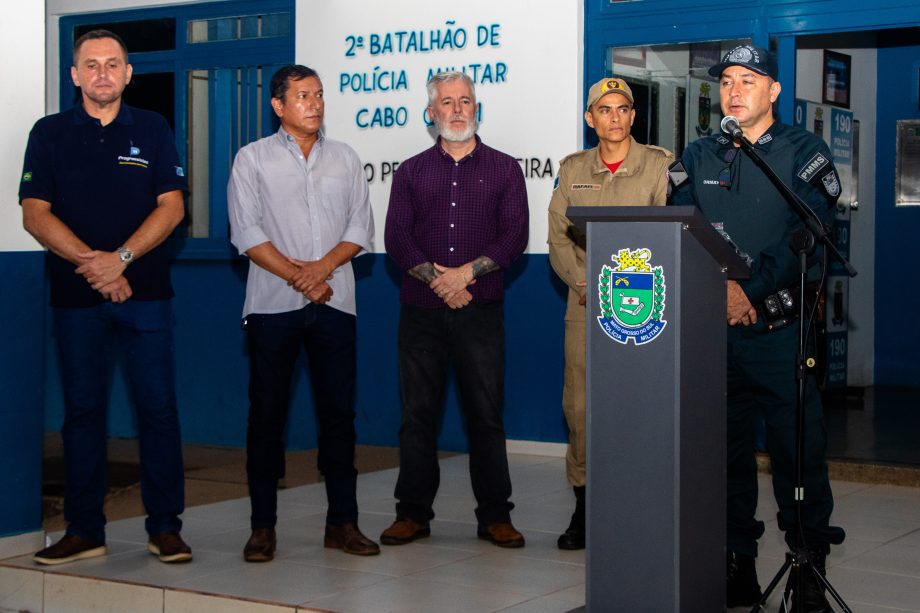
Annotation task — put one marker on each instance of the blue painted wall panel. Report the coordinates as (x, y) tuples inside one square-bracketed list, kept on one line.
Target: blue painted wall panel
[(212, 366), (21, 390), (897, 294)]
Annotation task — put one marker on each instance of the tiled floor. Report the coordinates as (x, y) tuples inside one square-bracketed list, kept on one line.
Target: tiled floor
[(876, 570)]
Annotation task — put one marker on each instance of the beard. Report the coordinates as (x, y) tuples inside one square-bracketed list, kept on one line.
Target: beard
[(457, 136)]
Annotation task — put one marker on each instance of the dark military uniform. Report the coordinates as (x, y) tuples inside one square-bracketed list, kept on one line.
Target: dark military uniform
[(737, 196)]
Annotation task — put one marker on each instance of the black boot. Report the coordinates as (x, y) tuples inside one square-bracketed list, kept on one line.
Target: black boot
[(741, 587), (813, 599), (574, 536)]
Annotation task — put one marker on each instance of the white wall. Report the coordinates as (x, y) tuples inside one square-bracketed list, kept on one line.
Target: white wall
[(22, 99), (533, 112), (809, 79)]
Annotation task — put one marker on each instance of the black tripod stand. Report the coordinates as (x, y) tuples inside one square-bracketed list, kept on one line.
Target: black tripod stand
[(798, 560)]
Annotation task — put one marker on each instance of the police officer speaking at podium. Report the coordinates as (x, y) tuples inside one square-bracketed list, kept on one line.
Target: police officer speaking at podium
[(742, 203)]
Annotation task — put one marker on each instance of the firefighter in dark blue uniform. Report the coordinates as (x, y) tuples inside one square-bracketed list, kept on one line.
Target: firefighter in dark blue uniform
[(741, 202)]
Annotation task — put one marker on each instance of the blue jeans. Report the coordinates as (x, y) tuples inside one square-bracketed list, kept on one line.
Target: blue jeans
[(275, 340), (144, 331), (472, 339)]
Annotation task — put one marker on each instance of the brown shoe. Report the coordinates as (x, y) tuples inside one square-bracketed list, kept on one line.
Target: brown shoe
[(349, 539), (169, 547), (69, 549), (404, 531), (261, 546), (502, 534)]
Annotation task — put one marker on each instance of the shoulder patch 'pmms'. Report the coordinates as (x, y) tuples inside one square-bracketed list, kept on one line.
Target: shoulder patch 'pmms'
[(812, 166)]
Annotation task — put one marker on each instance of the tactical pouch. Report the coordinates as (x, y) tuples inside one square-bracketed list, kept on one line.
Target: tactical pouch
[(780, 309)]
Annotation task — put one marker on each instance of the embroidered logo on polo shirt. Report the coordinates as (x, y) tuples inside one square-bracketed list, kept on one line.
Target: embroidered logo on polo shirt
[(125, 160), (582, 186), (179, 171), (26, 177), (132, 158)]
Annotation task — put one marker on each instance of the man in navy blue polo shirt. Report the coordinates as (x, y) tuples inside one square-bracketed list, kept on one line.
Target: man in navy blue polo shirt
[(102, 189)]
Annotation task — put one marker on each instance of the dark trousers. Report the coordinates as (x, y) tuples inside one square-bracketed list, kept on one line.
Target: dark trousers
[(144, 331), (761, 379), (472, 339), (275, 340)]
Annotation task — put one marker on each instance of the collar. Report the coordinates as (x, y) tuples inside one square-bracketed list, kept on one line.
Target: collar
[(764, 143), (287, 140), (631, 164), (124, 117), (445, 154)]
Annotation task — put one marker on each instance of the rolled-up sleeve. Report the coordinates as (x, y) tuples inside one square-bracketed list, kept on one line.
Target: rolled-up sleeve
[(360, 226), (244, 205)]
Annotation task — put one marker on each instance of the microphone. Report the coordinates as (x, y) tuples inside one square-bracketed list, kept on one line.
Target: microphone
[(731, 127)]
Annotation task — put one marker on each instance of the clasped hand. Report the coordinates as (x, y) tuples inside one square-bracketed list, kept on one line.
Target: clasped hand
[(311, 280), (450, 285), (103, 271)]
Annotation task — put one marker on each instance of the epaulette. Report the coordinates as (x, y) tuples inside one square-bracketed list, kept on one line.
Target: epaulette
[(574, 155)]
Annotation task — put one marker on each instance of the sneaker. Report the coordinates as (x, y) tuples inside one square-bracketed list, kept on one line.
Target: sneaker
[(69, 549), (741, 587), (169, 547)]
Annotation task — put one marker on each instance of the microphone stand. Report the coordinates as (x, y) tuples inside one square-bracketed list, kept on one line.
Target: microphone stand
[(802, 243)]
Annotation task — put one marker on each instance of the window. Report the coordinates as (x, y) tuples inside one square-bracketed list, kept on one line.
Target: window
[(677, 101), (202, 66)]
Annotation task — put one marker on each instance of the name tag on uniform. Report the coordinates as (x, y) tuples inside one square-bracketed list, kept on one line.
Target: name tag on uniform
[(584, 186)]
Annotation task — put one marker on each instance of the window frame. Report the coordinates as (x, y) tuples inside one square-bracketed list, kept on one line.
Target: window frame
[(269, 53)]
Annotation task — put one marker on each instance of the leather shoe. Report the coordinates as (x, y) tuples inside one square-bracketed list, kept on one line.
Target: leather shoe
[(261, 545), (349, 539), (69, 549), (169, 547), (404, 531), (574, 536), (741, 587), (502, 534), (813, 599)]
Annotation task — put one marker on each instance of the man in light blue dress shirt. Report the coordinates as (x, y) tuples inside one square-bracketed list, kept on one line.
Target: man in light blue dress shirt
[(299, 209)]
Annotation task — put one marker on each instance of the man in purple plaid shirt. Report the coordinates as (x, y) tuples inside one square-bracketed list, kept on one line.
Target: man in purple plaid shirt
[(457, 219)]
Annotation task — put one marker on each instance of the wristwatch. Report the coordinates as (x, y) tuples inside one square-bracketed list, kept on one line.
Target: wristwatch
[(126, 255)]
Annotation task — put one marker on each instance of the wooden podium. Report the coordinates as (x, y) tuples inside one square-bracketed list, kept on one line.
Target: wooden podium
[(656, 426)]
